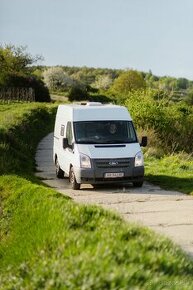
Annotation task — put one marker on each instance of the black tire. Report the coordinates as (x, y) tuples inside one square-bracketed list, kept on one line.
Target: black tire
[(59, 171), (74, 184), (138, 183)]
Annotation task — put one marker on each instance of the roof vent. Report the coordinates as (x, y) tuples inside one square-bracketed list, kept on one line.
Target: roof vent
[(92, 104)]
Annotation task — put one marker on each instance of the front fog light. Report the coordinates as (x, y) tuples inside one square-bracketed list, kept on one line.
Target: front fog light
[(139, 159), (85, 161)]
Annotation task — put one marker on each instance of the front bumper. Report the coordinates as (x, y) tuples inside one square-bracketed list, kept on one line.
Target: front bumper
[(96, 174)]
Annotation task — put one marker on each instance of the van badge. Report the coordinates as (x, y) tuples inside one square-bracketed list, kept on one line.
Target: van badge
[(113, 163)]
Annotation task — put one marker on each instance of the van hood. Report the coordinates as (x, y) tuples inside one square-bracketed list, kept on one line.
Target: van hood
[(95, 151)]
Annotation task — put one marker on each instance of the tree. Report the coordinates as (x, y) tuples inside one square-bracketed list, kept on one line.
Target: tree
[(15, 60), (16, 71), (56, 79), (103, 82), (85, 76), (77, 93), (128, 81)]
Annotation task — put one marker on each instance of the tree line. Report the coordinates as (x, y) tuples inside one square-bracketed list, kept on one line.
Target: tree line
[(18, 68), (76, 81)]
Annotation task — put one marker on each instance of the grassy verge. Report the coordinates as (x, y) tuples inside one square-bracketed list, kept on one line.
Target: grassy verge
[(53, 243), (49, 242), (171, 172), (21, 127)]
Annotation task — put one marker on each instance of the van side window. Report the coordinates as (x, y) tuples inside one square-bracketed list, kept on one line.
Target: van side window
[(69, 133), (62, 130)]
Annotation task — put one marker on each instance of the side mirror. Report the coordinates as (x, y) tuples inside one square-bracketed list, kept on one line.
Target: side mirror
[(65, 143), (143, 141)]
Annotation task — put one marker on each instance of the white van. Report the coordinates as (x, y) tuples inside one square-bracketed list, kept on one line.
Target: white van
[(97, 144)]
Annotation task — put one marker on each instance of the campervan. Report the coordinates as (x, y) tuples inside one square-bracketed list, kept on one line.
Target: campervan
[(96, 143)]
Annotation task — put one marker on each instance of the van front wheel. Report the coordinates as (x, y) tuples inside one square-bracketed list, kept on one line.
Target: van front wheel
[(74, 184)]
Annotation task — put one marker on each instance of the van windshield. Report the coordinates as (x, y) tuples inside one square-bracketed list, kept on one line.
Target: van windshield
[(104, 132)]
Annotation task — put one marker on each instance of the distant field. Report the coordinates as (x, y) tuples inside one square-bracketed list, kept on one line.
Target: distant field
[(50, 242)]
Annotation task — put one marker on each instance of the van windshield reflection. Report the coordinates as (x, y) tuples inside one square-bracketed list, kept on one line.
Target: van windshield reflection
[(104, 132)]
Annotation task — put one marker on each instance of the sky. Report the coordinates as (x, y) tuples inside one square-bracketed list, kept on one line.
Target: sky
[(145, 35)]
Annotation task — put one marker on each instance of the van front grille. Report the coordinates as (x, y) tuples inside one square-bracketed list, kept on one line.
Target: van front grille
[(113, 163)]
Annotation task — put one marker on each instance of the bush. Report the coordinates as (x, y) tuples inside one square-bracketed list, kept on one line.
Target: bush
[(80, 94), (99, 98), (172, 122), (77, 94), (128, 81)]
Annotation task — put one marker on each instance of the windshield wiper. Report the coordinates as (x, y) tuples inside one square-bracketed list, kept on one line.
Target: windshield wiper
[(118, 141), (115, 141)]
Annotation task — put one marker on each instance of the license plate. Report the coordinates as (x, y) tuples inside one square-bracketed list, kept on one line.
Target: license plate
[(114, 174)]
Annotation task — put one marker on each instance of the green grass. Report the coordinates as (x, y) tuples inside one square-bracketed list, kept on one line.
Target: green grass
[(49, 242), (21, 127), (171, 172)]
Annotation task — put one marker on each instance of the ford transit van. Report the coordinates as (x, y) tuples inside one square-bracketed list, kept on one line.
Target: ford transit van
[(97, 144)]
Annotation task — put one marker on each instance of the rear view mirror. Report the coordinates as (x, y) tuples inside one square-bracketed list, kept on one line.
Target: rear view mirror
[(143, 141), (65, 143)]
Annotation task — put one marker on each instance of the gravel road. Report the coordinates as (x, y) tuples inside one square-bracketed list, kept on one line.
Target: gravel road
[(167, 212)]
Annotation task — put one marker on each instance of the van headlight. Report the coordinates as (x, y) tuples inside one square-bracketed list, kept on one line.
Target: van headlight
[(139, 159), (85, 161)]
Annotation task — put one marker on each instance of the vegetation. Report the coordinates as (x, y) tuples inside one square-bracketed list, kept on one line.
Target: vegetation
[(49, 242), (127, 82), (171, 122), (169, 127), (57, 80), (103, 79), (16, 71), (17, 147), (54, 243), (171, 171)]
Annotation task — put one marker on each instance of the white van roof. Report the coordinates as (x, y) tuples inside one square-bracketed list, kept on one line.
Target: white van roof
[(94, 111)]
